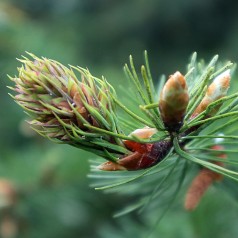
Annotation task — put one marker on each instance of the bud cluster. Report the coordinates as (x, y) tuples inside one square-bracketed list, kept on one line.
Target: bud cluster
[(83, 113)]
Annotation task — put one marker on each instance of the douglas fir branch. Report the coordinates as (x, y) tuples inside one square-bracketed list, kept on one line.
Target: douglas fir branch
[(69, 105)]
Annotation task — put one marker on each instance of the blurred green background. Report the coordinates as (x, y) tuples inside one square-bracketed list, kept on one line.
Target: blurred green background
[(53, 194)]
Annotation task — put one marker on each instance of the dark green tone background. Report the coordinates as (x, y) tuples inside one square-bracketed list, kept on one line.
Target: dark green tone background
[(56, 200)]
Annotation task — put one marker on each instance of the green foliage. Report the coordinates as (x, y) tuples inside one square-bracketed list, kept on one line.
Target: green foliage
[(100, 35)]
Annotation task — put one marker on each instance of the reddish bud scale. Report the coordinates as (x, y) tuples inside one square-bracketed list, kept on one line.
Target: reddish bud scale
[(139, 147), (153, 156), (154, 153), (202, 182)]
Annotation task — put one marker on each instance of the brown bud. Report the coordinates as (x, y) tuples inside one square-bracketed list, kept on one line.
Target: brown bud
[(8, 226), (202, 182), (199, 186), (173, 101), (8, 194)]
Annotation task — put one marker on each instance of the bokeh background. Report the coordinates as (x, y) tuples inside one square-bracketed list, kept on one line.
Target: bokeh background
[(49, 195)]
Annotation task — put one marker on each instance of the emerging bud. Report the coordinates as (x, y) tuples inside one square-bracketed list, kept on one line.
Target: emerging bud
[(202, 182), (143, 133), (173, 101), (215, 91)]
